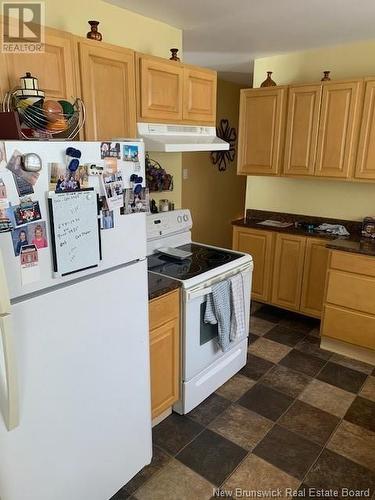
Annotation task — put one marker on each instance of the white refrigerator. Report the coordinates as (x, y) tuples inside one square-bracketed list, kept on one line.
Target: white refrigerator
[(75, 416)]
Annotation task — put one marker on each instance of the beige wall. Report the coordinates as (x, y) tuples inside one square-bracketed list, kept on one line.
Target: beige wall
[(326, 198), (128, 29), (214, 198), (118, 26)]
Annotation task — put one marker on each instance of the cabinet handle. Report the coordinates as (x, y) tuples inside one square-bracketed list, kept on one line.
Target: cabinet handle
[(11, 411)]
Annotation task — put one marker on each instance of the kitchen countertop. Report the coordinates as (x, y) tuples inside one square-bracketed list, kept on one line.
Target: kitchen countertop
[(253, 217), (364, 246), (353, 243), (160, 285)]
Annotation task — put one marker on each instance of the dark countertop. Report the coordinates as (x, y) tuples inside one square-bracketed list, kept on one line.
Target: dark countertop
[(353, 243), (160, 285), (253, 223), (364, 246)]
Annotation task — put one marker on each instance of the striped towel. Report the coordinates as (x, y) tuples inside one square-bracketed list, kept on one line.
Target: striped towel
[(237, 296), (218, 311)]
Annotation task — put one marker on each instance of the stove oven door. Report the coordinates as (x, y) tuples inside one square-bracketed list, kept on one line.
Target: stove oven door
[(200, 346)]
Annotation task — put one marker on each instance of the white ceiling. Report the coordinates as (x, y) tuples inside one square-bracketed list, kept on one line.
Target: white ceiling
[(227, 35)]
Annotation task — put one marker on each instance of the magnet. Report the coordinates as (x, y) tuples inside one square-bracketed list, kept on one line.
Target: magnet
[(138, 189), (31, 162), (73, 165), (72, 156)]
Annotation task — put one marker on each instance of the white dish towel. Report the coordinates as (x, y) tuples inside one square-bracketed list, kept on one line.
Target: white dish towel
[(218, 312), (237, 323), (225, 308)]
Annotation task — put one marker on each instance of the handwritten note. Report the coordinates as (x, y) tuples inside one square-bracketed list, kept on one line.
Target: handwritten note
[(74, 224)]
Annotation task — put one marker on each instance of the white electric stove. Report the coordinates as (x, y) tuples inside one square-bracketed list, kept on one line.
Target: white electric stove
[(205, 367)]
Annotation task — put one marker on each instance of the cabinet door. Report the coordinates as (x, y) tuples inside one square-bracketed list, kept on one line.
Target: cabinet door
[(288, 271), (164, 361), (338, 129), (259, 244), (160, 89), (365, 166), (261, 131), (164, 319), (302, 129), (199, 95), (108, 90), (53, 67), (314, 277)]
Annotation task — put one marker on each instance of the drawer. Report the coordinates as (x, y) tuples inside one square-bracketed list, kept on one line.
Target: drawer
[(351, 290), (349, 326), (353, 263), (163, 309)]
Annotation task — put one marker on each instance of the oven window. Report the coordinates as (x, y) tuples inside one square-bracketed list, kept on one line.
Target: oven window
[(207, 331)]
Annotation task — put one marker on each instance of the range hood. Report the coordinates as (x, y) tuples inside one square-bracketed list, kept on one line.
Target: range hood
[(180, 138)]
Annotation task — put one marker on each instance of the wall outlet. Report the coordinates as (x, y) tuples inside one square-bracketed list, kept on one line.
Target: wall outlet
[(185, 173)]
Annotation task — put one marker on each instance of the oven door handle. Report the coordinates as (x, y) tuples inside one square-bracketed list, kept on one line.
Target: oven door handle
[(199, 293)]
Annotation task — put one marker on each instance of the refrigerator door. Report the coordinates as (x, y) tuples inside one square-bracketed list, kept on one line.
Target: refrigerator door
[(4, 292), (82, 354), (9, 388), (125, 243)]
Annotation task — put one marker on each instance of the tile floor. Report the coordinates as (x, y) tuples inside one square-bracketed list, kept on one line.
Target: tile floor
[(296, 416)]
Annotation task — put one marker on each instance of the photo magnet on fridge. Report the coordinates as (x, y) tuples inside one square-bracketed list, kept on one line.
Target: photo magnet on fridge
[(113, 187), (29, 261), (130, 153), (27, 211), (15, 165), (3, 155), (5, 222), (62, 179), (110, 150), (32, 234), (3, 190), (136, 202), (107, 220)]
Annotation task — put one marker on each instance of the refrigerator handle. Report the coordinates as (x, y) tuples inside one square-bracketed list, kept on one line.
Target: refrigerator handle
[(4, 293), (11, 410)]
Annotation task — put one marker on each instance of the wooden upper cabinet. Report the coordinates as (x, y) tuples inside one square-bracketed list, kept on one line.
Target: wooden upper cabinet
[(288, 270), (314, 276), (365, 166), (259, 244), (302, 129), (107, 80), (261, 130), (338, 129), (53, 67), (160, 86), (199, 95)]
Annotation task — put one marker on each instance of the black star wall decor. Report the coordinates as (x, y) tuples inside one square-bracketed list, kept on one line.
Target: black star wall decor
[(228, 134)]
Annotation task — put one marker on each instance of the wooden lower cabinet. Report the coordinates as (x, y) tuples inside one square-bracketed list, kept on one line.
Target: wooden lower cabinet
[(164, 317), (314, 277), (349, 308), (259, 244), (289, 270)]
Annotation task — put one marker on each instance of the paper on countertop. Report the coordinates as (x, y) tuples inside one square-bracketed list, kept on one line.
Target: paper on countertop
[(336, 229), (275, 223)]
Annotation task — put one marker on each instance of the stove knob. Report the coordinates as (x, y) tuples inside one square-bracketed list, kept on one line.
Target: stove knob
[(179, 219), (186, 218)]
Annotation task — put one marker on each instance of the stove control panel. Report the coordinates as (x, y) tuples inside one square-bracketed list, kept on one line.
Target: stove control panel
[(167, 223)]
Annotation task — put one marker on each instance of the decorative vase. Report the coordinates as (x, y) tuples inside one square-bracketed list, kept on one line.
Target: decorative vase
[(94, 33), (174, 56), (268, 82), (326, 77)]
